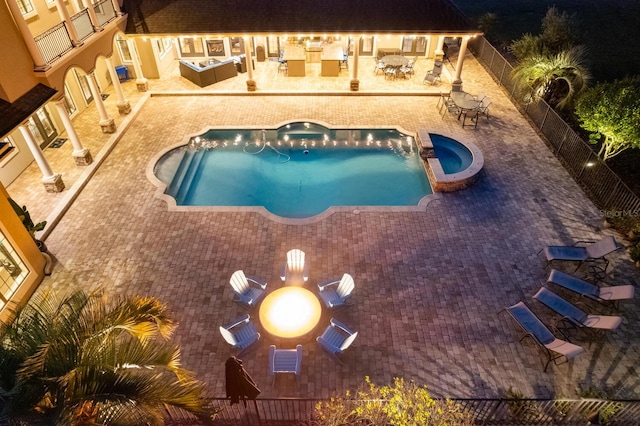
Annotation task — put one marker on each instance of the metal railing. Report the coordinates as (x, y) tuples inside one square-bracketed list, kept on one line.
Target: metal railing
[(496, 411), (601, 183), (54, 43), (82, 24), (105, 12)]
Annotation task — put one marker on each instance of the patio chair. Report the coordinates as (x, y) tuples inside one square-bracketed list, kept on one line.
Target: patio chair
[(583, 288), (283, 67), (248, 291), (434, 75), (594, 252), (336, 338), (240, 333), (536, 330), (335, 293), (390, 72), (407, 70), (380, 66), (472, 115), (295, 269), (483, 108), (284, 361), (444, 97), (574, 318)]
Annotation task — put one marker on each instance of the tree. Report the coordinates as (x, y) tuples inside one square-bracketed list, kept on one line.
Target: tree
[(558, 79), (612, 112), (557, 36), (87, 359), (402, 404)]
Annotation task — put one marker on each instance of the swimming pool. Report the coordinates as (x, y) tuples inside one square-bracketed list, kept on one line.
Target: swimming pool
[(454, 156), (297, 170)]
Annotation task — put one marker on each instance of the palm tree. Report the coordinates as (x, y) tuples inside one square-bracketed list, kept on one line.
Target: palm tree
[(558, 79), (89, 360)]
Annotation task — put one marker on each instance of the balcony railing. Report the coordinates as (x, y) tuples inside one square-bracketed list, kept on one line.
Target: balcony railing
[(82, 24), (54, 43), (105, 12)]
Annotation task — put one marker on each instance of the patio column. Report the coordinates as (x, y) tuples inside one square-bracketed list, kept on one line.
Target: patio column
[(439, 52), (355, 83), (124, 107), (251, 83), (116, 7), (66, 18), (27, 37), (141, 82), (106, 123), (92, 15), (52, 181), (457, 81), (81, 155)]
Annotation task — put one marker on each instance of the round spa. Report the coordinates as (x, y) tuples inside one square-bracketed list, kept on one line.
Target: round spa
[(451, 164)]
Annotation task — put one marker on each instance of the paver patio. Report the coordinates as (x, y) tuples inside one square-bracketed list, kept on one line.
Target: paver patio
[(429, 285)]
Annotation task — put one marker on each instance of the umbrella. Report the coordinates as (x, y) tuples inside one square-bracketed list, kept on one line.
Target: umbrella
[(239, 383)]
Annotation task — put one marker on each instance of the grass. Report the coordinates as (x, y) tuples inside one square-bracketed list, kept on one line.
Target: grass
[(609, 29)]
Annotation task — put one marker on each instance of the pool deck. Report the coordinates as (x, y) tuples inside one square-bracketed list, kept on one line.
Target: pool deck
[(429, 284)]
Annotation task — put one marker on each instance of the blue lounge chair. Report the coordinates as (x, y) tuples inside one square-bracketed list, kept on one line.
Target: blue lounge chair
[(575, 318), (591, 291), (240, 333), (595, 251), (336, 338), (248, 291), (535, 329), (336, 292)]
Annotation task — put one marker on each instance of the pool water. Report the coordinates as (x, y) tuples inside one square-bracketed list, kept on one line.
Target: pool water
[(454, 156), (298, 170)]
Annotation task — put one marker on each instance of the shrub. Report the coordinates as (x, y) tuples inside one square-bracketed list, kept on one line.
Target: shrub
[(401, 404)]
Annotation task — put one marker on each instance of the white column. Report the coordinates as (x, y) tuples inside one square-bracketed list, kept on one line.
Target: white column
[(463, 50), (52, 181), (81, 154), (355, 83), (141, 82), (116, 7), (106, 123), (64, 15), (439, 52), (251, 83), (92, 15), (124, 107), (27, 37)]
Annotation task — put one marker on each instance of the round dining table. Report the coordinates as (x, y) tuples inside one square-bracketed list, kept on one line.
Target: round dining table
[(395, 60)]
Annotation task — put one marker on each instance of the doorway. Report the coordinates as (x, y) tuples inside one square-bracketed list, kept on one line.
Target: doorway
[(42, 128)]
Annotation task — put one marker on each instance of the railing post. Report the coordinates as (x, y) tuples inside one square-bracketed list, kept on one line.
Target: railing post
[(564, 138)]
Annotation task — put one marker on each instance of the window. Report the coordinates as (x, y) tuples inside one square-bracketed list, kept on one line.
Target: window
[(69, 104), (366, 46), (26, 7), (123, 48), (7, 150), (12, 271), (164, 45), (191, 46), (84, 86), (237, 45)]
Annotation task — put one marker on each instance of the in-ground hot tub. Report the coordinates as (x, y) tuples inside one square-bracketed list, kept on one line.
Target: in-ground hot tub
[(460, 165)]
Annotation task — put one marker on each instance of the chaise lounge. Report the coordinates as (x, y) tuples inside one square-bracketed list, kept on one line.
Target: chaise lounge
[(595, 251), (538, 332), (591, 291)]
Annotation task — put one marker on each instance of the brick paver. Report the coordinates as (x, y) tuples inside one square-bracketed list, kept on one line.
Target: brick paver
[(429, 284)]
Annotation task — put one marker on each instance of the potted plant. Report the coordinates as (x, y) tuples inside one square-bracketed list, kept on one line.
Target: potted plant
[(28, 223)]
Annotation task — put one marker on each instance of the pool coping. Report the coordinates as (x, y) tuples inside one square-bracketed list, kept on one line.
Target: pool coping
[(355, 210)]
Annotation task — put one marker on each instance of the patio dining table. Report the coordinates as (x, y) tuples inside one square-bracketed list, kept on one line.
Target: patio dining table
[(395, 61), (464, 101)]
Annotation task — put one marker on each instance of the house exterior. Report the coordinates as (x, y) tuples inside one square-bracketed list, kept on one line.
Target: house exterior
[(58, 55)]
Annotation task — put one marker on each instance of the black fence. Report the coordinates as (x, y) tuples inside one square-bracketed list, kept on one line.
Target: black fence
[(300, 411), (602, 185)]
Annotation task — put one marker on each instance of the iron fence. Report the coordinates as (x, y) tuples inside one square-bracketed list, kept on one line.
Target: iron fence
[(82, 24), (601, 184), (300, 411), (105, 12)]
